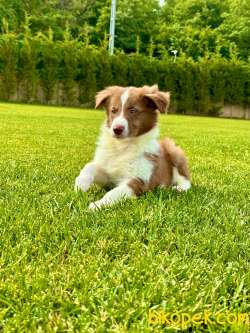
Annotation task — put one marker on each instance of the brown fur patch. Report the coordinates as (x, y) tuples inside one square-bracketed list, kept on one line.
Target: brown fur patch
[(110, 98), (176, 156), (160, 99), (138, 186), (170, 156)]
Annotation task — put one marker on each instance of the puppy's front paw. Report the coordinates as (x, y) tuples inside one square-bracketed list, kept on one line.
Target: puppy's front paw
[(183, 187), (95, 205), (83, 183)]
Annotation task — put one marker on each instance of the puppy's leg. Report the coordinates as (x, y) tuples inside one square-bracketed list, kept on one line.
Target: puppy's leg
[(91, 173), (177, 158), (181, 176), (181, 183), (120, 192)]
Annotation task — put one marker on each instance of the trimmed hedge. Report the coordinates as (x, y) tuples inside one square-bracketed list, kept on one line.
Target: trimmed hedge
[(38, 69)]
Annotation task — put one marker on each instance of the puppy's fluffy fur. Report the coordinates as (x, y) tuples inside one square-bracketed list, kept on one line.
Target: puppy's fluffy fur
[(128, 156)]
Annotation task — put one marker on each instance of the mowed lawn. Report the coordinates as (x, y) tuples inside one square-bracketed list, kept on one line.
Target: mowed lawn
[(65, 269)]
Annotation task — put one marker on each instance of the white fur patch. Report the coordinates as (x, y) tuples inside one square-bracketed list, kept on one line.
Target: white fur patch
[(121, 120), (125, 159), (124, 98), (120, 192), (181, 183), (86, 178)]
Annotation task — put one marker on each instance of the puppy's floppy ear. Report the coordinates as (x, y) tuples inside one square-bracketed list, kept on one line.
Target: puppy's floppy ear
[(160, 100), (103, 96)]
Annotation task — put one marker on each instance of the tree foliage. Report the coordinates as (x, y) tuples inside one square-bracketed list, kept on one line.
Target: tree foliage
[(61, 56), (193, 27)]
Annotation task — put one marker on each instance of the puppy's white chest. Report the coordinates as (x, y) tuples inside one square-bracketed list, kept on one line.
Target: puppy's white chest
[(125, 159), (119, 164)]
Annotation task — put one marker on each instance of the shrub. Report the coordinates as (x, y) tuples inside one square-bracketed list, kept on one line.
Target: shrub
[(48, 65), (119, 68), (68, 71), (216, 83), (103, 69), (28, 76), (78, 70), (135, 70), (8, 64), (235, 77), (86, 76)]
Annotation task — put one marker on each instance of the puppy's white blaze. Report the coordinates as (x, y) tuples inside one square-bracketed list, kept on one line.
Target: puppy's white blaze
[(121, 121), (183, 184), (124, 98)]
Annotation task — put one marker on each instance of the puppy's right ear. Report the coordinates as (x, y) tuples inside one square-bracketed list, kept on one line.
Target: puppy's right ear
[(102, 97)]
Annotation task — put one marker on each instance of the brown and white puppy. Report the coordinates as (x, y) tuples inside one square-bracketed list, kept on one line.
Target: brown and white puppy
[(128, 154)]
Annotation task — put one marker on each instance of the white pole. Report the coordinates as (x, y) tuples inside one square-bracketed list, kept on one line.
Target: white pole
[(112, 28), (175, 54)]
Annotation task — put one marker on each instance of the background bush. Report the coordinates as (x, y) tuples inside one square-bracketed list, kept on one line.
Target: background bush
[(70, 72)]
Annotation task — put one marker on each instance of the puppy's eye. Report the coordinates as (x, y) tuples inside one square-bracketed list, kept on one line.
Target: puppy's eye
[(133, 110), (114, 109)]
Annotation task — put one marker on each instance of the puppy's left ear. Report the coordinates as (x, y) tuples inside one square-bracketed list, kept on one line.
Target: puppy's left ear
[(160, 100)]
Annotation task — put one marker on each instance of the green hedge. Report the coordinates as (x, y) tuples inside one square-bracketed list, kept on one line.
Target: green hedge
[(38, 69)]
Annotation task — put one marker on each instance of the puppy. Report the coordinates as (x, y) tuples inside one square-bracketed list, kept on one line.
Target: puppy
[(128, 155)]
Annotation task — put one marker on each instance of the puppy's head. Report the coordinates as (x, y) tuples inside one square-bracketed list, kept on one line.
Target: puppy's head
[(132, 111)]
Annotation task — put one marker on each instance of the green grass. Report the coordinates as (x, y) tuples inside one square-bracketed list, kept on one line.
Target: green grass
[(65, 269)]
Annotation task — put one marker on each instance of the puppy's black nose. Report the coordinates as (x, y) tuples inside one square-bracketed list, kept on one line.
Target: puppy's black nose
[(118, 130)]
